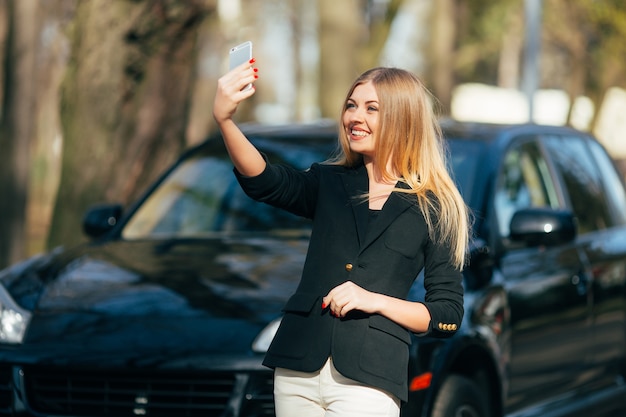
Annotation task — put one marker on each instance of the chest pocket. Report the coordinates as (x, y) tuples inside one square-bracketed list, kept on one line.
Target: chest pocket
[(406, 235)]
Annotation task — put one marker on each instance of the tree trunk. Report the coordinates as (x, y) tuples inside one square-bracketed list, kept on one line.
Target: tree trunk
[(340, 36), (511, 51), (51, 54), (443, 44), (16, 127), (124, 103)]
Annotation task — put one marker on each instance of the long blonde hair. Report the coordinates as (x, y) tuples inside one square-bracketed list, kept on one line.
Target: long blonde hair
[(410, 137)]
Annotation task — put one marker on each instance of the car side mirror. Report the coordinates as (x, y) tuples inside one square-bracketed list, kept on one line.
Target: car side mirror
[(101, 219), (479, 272), (543, 227)]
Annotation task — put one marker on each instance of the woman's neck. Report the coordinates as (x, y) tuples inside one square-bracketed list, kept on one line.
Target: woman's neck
[(379, 188)]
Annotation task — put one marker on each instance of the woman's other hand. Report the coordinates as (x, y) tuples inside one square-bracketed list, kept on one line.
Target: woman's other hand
[(349, 296), (231, 90)]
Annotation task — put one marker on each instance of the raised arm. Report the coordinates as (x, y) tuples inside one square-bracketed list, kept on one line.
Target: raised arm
[(230, 92)]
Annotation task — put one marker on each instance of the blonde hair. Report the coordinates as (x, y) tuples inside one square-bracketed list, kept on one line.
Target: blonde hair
[(410, 137)]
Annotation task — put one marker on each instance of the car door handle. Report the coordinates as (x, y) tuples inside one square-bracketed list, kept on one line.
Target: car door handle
[(580, 282)]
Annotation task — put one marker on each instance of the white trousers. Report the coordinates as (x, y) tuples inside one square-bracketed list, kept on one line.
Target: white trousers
[(327, 393)]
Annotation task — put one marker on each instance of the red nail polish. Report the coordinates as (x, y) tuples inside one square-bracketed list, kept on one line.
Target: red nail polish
[(252, 61), (256, 70), (256, 76), (323, 305)]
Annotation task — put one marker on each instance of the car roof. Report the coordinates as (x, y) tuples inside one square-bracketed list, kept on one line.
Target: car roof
[(489, 132), (322, 135), (326, 130)]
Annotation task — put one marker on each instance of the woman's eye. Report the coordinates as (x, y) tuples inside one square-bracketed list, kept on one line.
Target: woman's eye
[(372, 108), (350, 105)]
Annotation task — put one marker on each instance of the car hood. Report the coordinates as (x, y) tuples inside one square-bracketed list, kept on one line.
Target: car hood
[(169, 298)]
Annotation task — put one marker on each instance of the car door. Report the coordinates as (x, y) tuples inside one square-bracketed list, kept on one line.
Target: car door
[(598, 199), (548, 293)]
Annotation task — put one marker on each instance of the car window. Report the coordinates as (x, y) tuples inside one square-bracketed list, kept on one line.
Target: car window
[(524, 181), (582, 180), (464, 158), (616, 196), (202, 196)]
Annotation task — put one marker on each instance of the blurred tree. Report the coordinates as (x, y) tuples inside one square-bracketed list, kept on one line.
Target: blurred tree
[(52, 50), (18, 20), (511, 47), (441, 68), (207, 70), (485, 35), (581, 53), (379, 16), (304, 23), (349, 46), (342, 32), (124, 101), (141, 79), (587, 37)]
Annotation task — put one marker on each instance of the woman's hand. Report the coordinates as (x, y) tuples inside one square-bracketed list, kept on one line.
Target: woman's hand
[(230, 90), (349, 296)]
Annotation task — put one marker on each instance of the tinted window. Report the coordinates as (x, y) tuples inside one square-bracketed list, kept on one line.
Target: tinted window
[(616, 196), (202, 196), (583, 181), (464, 159), (524, 181)]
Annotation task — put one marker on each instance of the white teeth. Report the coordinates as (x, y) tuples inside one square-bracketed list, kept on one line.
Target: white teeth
[(358, 133)]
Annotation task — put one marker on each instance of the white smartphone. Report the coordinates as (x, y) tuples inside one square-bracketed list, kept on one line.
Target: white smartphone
[(240, 54)]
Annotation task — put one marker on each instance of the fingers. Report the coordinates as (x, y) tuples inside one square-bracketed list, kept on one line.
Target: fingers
[(336, 310), (235, 82), (244, 76), (342, 299)]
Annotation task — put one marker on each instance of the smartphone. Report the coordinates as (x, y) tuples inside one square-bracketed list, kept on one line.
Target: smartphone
[(240, 54)]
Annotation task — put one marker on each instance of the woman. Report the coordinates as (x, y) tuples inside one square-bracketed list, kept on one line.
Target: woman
[(382, 211)]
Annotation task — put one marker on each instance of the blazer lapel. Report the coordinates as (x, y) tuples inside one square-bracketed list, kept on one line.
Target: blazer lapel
[(356, 186), (396, 204)]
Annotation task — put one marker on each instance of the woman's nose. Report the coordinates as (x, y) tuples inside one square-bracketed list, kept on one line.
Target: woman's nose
[(356, 115)]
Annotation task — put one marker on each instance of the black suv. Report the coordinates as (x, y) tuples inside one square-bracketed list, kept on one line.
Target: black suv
[(168, 310)]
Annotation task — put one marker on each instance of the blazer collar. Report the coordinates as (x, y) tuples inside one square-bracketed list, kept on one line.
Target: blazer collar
[(356, 183)]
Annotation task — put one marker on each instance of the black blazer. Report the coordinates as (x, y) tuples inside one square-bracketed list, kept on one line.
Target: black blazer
[(384, 256)]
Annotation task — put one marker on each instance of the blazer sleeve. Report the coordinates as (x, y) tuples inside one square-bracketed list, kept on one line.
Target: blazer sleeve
[(444, 291), (284, 187)]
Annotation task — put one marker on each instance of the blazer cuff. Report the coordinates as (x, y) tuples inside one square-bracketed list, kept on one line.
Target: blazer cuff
[(441, 325)]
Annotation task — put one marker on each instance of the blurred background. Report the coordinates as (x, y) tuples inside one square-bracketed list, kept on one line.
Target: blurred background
[(99, 96)]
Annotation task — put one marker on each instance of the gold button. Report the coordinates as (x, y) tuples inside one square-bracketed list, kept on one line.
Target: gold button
[(453, 327), (440, 326), (349, 267)]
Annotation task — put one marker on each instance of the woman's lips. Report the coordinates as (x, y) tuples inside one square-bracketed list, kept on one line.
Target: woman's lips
[(357, 134)]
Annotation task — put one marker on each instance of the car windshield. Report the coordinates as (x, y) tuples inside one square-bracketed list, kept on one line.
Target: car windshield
[(201, 196)]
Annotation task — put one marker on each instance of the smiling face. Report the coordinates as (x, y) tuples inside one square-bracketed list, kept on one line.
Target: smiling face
[(360, 119)]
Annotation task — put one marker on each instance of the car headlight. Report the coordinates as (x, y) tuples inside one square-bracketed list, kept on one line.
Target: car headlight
[(263, 340), (13, 319)]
